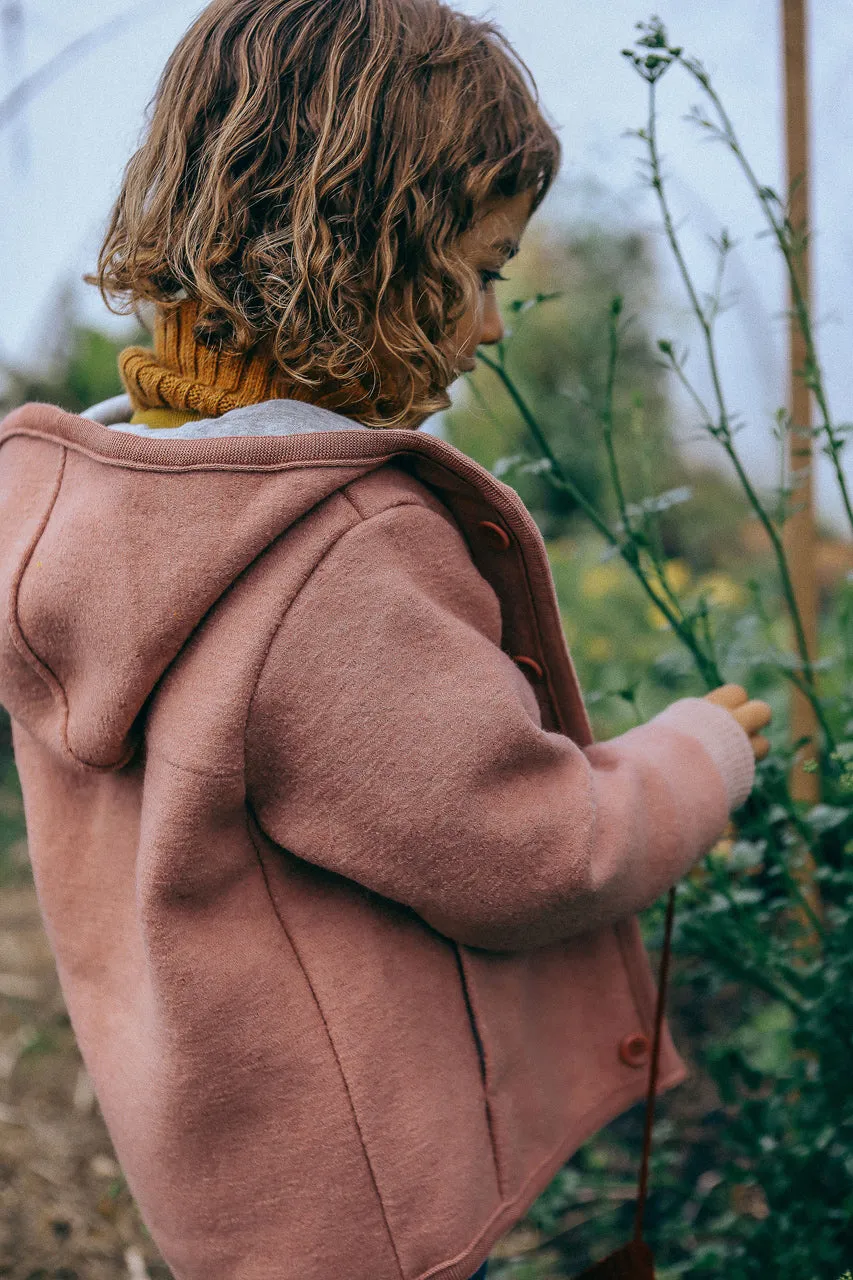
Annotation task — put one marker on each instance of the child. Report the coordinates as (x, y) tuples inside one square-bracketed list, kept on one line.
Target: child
[(342, 894)]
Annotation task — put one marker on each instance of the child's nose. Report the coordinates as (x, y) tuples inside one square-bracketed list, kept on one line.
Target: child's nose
[(493, 327)]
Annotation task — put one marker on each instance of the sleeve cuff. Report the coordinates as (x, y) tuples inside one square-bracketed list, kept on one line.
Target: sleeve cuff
[(726, 742)]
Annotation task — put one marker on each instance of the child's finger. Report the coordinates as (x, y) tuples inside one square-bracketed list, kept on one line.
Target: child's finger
[(760, 746), (753, 715), (728, 695)]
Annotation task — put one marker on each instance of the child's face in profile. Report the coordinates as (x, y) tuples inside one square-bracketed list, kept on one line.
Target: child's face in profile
[(488, 245)]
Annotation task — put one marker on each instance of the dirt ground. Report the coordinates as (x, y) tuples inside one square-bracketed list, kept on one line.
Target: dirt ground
[(65, 1211)]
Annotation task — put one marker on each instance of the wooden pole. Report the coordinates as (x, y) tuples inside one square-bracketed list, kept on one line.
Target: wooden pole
[(799, 535)]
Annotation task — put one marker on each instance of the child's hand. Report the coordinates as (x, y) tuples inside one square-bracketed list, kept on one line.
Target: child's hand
[(750, 714)]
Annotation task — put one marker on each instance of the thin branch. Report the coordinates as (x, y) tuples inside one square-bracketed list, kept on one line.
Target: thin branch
[(790, 243), (627, 548), (32, 85), (722, 430)]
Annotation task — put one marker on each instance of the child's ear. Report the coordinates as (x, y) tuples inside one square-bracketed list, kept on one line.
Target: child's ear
[(145, 312)]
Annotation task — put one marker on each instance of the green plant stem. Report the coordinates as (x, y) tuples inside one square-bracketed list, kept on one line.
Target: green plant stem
[(724, 431), (541, 440), (782, 233), (730, 963), (607, 419), (808, 690), (626, 549)]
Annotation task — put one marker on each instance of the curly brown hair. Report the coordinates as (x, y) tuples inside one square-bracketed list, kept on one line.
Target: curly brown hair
[(307, 169)]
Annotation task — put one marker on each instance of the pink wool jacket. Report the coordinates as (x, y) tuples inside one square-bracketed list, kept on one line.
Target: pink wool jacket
[(341, 892)]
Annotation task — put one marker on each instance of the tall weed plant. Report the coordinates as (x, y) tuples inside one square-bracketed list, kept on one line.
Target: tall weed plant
[(763, 1185)]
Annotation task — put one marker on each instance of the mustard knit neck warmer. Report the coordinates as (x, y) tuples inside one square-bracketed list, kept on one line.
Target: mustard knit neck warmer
[(181, 379)]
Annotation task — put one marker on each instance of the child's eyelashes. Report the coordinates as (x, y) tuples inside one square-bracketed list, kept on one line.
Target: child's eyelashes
[(488, 276)]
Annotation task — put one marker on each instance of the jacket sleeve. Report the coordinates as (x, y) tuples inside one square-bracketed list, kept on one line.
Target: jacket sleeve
[(391, 740)]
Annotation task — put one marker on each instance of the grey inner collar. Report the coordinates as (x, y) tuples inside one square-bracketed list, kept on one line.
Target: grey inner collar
[(269, 418)]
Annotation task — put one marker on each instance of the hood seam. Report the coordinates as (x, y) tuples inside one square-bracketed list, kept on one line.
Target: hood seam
[(25, 648)]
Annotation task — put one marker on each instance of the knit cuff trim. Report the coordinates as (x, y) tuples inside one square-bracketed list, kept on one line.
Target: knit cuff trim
[(726, 742)]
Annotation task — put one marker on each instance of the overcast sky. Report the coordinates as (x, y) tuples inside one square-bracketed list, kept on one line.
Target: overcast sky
[(81, 131)]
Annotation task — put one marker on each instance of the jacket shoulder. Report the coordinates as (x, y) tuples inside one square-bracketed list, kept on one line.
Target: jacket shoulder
[(393, 485)]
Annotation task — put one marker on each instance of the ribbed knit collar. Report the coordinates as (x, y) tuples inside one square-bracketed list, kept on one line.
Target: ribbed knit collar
[(183, 375)]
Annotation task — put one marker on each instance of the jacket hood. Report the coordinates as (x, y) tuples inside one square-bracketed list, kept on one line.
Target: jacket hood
[(100, 518)]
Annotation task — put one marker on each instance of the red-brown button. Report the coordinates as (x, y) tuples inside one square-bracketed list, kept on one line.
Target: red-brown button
[(528, 662), (634, 1049), (497, 533)]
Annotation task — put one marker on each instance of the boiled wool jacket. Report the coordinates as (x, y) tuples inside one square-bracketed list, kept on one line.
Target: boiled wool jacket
[(341, 891)]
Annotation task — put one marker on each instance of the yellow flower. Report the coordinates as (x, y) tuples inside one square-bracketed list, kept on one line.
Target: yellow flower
[(657, 617), (675, 573), (599, 648), (722, 590), (722, 849), (601, 579)]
